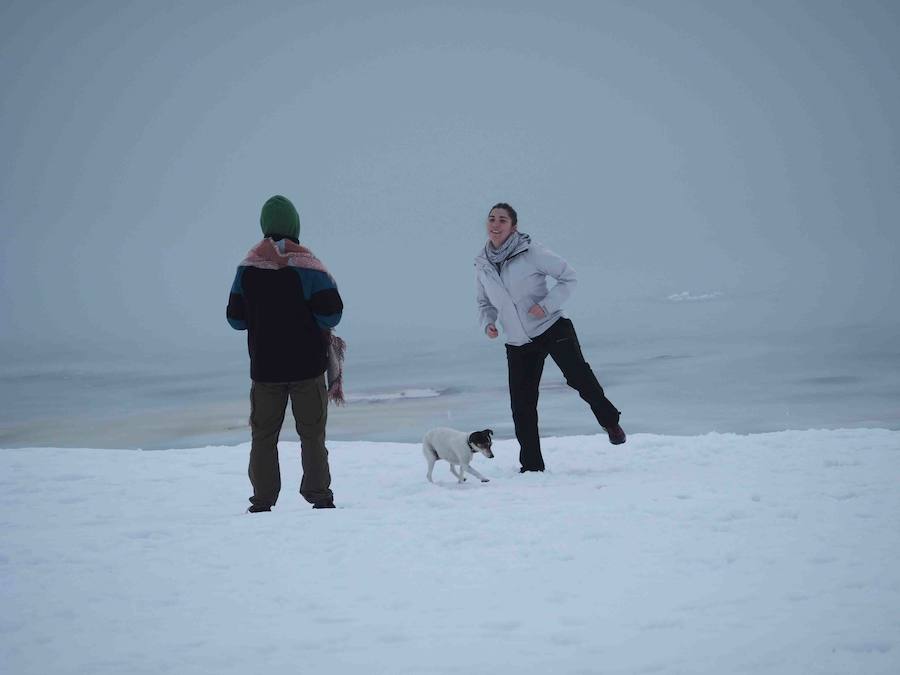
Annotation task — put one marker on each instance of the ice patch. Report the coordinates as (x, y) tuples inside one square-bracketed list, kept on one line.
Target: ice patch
[(393, 395), (687, 296)]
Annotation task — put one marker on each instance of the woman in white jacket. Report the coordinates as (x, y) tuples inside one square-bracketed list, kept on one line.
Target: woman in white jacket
[(511, 279)]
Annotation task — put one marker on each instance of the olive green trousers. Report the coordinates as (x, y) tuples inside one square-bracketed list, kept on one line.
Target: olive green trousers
[(309, 405)]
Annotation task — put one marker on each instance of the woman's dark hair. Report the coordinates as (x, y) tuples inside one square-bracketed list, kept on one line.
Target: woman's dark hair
[(513, 216)]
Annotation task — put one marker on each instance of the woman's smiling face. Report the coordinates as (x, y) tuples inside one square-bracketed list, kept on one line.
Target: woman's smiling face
[(499, 226)]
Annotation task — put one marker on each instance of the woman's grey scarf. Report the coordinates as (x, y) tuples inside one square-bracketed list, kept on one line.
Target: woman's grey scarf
[(498, 256)]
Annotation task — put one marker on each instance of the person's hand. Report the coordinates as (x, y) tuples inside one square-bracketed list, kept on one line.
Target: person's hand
[(491, 331), (537, 312)]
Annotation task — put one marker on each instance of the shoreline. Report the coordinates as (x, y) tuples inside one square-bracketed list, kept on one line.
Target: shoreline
[(286, 443)]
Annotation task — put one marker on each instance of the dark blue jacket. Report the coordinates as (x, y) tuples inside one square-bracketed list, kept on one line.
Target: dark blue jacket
[(287, 313)]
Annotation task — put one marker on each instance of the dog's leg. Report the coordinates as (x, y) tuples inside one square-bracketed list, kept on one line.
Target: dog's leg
[(462, 472), (475, 473), (430, 457), (461, 476)]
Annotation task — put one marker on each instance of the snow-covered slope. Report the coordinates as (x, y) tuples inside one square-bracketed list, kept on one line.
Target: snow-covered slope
[(774, 553)]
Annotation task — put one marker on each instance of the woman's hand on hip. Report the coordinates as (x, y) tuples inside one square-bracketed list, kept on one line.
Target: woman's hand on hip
[(537, 312), (491, 331)]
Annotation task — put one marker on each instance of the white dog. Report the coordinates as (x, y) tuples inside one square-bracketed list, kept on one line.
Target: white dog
[(458, 448)]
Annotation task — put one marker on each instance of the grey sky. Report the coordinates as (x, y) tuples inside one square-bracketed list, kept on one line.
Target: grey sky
[(747, 149)]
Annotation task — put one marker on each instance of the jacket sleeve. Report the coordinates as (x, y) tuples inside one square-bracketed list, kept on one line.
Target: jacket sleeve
[(322, 296), (547, 262), (487, 313), (235, 310)]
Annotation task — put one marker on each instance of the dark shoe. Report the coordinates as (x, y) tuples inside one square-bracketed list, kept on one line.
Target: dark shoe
[(258, 508), (524, 470), (616, 434), (323, 505)]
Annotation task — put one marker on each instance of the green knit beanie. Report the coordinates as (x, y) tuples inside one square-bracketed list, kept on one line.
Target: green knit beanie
[(280, 217)]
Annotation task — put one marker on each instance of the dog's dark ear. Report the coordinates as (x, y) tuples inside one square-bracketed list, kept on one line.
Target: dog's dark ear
[(489, 432)]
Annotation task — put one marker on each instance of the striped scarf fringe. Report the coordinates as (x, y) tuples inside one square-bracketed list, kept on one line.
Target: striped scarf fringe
[(337, 347)]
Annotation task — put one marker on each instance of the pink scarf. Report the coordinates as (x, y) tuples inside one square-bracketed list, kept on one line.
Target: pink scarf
[(266, 255)]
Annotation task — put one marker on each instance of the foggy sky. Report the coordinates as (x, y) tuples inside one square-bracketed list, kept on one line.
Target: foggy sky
[(661, 147)]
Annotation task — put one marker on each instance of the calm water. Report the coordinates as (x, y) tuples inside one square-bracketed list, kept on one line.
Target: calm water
[(686, 385)]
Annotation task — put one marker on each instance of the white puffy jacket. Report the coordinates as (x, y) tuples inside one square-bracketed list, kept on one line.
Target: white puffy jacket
[(507, 295)]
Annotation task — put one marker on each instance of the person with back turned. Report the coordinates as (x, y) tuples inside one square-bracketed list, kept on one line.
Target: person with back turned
[(288, 303)]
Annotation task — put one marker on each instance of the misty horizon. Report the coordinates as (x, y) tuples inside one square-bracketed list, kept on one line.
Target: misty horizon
[(749, 153)]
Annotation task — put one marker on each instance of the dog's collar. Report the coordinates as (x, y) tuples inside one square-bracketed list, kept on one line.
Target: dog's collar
[(472, 448)]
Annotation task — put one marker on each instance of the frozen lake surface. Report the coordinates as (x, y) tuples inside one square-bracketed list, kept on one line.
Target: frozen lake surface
[(662, 384)]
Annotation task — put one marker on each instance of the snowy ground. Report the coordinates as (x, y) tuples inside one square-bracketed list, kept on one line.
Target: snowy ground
[(773, 553)]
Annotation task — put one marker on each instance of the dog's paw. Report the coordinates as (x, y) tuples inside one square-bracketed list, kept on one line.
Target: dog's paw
[(485, 480)]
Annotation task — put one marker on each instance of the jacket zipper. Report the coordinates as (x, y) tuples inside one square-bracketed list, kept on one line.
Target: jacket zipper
[(508, 294)]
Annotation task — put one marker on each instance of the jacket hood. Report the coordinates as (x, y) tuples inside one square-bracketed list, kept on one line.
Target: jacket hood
[(267, 255)]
